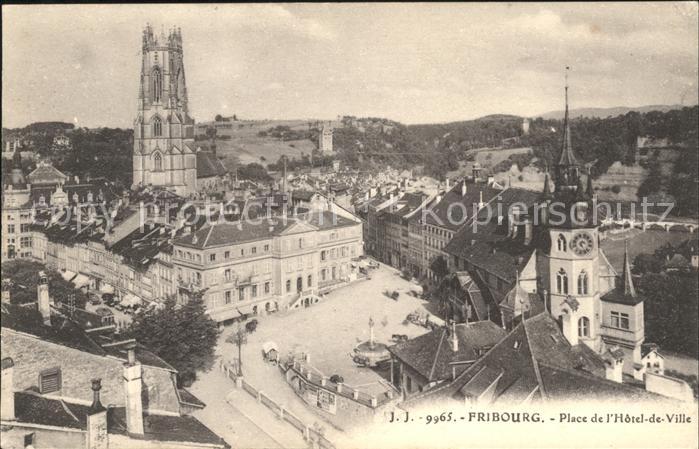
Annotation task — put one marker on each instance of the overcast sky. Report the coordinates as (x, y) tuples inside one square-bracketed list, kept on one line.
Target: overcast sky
[(415, 63)]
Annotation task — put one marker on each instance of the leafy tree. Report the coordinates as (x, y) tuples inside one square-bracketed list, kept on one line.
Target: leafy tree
[(253, 172), (670, 309), (218, 118), (24, 278), (439, 267), (181, 334), (239, 338)]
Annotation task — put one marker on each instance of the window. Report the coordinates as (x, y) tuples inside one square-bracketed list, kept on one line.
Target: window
[(562, 245), (212, 257), (227, 255), (157, 127), (49, 380), (584, 327), (334, 273), (288, 285), (254, 250), (310, 280), (242, 252), (11, 228), (562, 282), (24, 227), (228, 297), (227, 274), (582, 283), (322, 254), (25, 242), (254, 291), (198, 257), (241, 294), (266, 248), (322, 274), (157, 84), (266, 287), (620, 320)]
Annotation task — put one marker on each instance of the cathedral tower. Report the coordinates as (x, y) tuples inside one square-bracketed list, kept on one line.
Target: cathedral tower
[(164, 152)]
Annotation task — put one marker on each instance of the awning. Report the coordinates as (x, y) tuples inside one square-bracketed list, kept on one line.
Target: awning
[(67, 275), (106, 288), (130, 300), (81, 281)]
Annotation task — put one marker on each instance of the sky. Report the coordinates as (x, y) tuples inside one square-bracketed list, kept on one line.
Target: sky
[(414, 63)]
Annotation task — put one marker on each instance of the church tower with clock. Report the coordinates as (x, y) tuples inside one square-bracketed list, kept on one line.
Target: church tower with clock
[(592, 304), (164, 152), (573, 257)]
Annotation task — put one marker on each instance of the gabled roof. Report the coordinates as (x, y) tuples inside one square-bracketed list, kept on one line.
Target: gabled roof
[(432, 354), (208, 165), (536, 360), (46, 174), (447, 216)]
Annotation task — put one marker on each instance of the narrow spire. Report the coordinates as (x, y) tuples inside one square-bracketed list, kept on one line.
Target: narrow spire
[(547, 186), (629, 289), (567, 156)]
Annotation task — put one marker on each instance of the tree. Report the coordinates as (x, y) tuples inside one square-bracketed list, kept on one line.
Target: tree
[(239, 337), (218, 118), (24, 276), (181, 334), (439, 267)]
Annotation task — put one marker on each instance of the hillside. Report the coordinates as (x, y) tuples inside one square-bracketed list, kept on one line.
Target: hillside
[(609, 112), (251, 141)]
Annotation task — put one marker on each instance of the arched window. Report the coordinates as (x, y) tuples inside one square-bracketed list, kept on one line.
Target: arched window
[(157, 127), (584, 327), (157, 84), (157, 162), (582, 283), (562, 245), (562, 282)]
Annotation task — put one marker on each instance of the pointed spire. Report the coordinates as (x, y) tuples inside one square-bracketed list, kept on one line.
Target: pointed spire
[(629, 289), (547, 186), (567, 156)]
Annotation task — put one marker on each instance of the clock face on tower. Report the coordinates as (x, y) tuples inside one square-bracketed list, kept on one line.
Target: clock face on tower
[(582, 243)]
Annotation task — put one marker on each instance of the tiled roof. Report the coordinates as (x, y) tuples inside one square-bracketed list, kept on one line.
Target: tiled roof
[(536, 359), (209, 165), (46, 174), (450, 217), (182, 428), (227, 233), (31, 408), (431, 354)]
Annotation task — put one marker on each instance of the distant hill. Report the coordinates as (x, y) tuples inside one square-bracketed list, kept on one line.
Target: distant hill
[(609, 112)]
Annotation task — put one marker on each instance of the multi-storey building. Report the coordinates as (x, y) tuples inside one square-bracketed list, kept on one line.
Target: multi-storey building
[(280, 263), (452, 212)]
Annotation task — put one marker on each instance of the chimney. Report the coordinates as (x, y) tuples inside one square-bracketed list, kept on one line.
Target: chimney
[(43, 300), (569, 328), (463, 188), (7, 412), (132, 391), (528, 231), (614, 364), (6, 291), (97, 437), (454, 338)]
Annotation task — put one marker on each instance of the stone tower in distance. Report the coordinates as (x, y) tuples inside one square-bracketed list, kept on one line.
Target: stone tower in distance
[(325, 139), (164, 153)]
